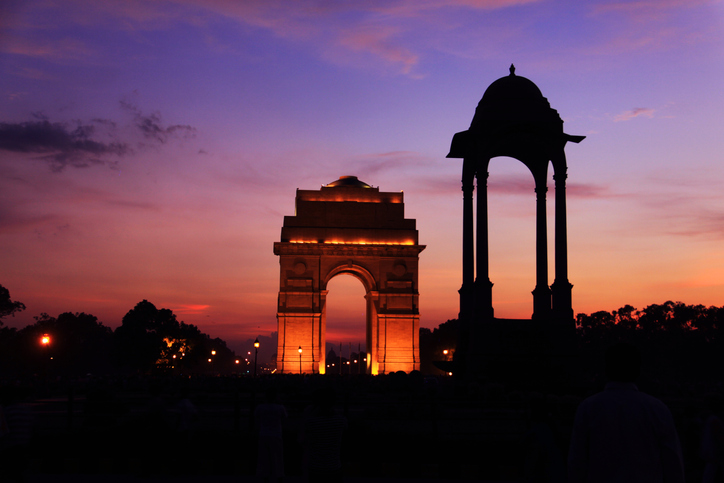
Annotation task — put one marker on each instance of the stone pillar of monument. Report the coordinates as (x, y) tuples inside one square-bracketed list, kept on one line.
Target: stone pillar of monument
[(541, 293), (483, 307), (561, 288)]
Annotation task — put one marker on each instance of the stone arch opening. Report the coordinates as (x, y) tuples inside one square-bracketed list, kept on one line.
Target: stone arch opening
[(348, 227), (347, 320), (511, 214), (346, 310)]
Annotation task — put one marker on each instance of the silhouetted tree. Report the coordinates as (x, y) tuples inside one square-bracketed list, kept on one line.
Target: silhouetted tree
[(138, 342), (679, 342), (434, 342), (7, 306), (152, 339), (79, 343)]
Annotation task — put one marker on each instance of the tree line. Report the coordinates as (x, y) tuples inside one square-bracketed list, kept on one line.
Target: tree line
[(678, 342), (148, 340)]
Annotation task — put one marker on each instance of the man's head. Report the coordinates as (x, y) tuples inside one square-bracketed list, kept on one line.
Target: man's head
[(623, 363)]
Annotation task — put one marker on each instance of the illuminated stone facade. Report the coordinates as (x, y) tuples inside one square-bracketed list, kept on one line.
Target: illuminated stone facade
[(348, 227)]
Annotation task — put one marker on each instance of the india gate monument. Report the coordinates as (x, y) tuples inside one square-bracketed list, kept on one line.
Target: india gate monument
[(348, 227)]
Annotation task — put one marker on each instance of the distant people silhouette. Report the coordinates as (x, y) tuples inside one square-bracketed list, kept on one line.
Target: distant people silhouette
[(16, 431), (712, 443), (544, 460), (269, 418), (621, 434), (322, 438)]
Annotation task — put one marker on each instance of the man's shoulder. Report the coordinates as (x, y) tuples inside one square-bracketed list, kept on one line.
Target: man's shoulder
[(627, 394)]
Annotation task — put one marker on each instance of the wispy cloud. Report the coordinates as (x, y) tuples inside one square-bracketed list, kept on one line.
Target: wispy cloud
[(60, 144), (152, 128), (376, 28), (379, 41), (635, 112), (190, 309), (80, 144)]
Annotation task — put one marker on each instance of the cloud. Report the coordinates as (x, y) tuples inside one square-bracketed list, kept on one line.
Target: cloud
[(76, 143), (60, 144), (516, 185), (377, 41), (645, 9), (635, 112), (190, 309), (371, 165), (151, 127), (375, 27), (706, 224)]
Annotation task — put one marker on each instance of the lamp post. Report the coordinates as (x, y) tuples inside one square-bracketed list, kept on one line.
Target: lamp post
[(300, 359), (256, 353), (45, 342)]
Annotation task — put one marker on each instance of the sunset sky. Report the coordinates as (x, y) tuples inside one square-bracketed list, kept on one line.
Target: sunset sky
[(150, 149)]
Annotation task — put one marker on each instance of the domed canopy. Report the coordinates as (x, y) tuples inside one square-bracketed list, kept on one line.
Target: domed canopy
[(512, 87), (348, 182), (512, 119), (514, 98)]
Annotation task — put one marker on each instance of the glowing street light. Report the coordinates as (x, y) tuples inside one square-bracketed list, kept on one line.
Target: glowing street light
[(300, 359), (45, 340), (256, 353)]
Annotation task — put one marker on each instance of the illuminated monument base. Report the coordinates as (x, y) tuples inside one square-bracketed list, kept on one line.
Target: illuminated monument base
[(348, 227)]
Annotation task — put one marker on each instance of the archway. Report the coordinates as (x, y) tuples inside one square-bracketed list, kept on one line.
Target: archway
[(348, 227), (346, 310), (511, 215)]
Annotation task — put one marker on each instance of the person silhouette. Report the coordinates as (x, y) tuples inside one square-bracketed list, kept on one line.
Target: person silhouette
[(321, 435), (621, 434), (270, 417)]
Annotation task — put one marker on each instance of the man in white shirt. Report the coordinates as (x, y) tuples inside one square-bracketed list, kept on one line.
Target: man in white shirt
[(621, 434)]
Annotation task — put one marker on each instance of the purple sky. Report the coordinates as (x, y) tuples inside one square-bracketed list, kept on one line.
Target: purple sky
[(149, 150)]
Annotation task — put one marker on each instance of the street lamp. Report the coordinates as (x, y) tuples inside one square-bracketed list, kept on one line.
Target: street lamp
[(45, 340), (300, 359), (256, 353)]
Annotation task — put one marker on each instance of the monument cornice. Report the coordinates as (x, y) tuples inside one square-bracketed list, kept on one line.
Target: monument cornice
[(339, 249)]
